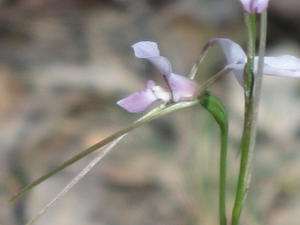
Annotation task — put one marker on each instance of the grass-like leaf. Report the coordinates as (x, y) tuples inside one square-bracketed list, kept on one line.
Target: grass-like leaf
[(75, 180), (145, 119)]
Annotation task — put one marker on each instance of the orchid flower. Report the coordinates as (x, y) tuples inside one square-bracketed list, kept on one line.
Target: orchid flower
[(255, 6), (282, 66), (179, 89)]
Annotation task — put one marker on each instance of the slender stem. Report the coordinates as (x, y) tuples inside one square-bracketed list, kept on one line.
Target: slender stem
[(260, 66), (215, 77), (75, 180), (95, 147), (251, 106), (248, 137), (213, 105), (88, 168), (249, 70), (222, 174)]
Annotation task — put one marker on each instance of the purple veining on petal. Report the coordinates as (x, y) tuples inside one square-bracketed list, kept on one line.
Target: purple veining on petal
[(183, 88)]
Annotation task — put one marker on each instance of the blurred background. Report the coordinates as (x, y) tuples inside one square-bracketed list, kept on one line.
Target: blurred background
[(64, 64)]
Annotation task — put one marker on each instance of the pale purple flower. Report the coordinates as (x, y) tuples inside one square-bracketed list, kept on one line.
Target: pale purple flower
[(255, 6), (283, 66), (180, 88)]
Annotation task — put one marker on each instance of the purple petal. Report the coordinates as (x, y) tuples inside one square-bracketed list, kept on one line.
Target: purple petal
[(247, 5), (182, 87), (232, 51), (284, 66), (261, 5), (139, 101), (149, 50), (235, 56), (145, 49), (238, 71), (255, 6), (162, 64)]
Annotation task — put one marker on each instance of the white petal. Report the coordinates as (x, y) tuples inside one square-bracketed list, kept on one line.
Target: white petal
[(284, 66), (161, 93), (145, 49)]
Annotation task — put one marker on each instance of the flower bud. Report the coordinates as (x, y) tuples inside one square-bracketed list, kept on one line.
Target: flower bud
[(255, 6)]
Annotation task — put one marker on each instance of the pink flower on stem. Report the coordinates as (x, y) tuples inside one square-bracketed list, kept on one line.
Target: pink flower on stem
[(282, 66), (180, 88), (255, 6)]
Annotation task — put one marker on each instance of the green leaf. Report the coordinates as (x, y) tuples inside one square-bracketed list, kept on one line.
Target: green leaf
[(216, 108)]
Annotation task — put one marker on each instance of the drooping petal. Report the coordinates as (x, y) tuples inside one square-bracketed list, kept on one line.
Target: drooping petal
[(254, 6), (145, 49), (232, 51), (162, 64), (140, 100), (284, 66), (238, 71), (235, 56), (182, 87), (149, 50)]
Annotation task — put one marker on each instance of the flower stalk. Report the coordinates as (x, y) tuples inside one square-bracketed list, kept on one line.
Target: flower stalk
[(214, 105), (252, 90), (164, 110)]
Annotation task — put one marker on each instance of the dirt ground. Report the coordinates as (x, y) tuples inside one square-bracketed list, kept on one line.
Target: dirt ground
[(63, 66)]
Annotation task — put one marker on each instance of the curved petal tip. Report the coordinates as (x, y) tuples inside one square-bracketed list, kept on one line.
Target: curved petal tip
[(145, 49)]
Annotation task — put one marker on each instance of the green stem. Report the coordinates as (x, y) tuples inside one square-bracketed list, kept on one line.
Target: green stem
[(95, 147), (218, 111), (252, 97), (249, 70), (260, 66), (222, 174), (246, 140)]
